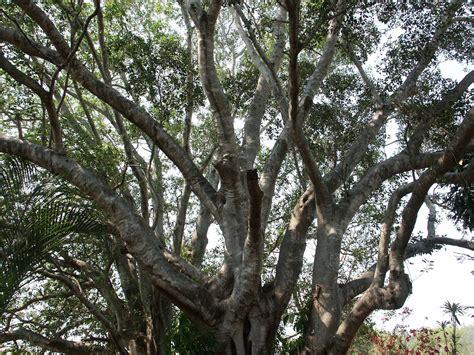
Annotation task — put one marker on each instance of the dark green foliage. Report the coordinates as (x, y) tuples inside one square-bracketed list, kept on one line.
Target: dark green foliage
[(426, 106), (157, 71), (460, 200), (361, 31), (336, 120), (38, 214), (240, 87), (415, 22), (297, 318), (186, 338)]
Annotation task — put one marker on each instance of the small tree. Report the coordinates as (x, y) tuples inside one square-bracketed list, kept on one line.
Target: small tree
[(454, 310)]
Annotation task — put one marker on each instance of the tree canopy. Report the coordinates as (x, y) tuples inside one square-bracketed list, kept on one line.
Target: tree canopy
[(237, 177)]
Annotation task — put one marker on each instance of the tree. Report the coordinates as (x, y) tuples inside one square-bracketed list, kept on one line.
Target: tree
[(142, 116), (454, 310)]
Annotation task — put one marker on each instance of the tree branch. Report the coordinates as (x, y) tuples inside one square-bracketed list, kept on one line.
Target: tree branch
[(359, 285), (408, 159), (266, 66), (169, 273), (251, 140), (103, 285), (248, 283), (212, 86), (129, 110), (323, 198), (360, 145), (373, 90), (44, 96), (293, 245), (75, 288), (427, 53), (273, 164), (449, 158), (54, 344), (390, 212)]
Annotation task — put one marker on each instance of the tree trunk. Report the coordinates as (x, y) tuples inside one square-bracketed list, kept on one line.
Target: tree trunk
[(326, 305)]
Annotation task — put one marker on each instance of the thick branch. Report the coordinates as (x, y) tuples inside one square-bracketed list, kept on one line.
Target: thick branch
[(426, 246), (233, 221), (181, 219), (447, 161), (353, 288), (323, 198), (410, 158), (220, 105), (249, 281), (129, 110), (199, 236), (383, 258), (266, 66), (360, 145), (357, 149), (394, 294), (377, 297), (277, 156), (251, 140), (322, 66), (290, 260), (56, 345), (168, 273)]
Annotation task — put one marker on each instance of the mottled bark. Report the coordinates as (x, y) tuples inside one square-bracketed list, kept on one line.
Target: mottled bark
[(169, 273)]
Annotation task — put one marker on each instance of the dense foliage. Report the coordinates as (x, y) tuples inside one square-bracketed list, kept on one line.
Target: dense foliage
[(225, 176)]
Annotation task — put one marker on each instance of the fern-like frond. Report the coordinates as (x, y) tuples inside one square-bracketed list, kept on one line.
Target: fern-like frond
[(39, 214)]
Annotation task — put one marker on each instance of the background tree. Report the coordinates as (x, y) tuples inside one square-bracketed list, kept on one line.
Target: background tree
[(257, 123), (454, 310)]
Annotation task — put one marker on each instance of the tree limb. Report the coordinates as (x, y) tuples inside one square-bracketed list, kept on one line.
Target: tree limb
[(169, 273), (54, 344), (131, 111), (44, 95)]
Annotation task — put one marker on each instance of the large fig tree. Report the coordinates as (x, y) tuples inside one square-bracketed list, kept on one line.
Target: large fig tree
[(261, 126)]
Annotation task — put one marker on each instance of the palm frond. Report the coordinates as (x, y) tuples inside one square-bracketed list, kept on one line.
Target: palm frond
[(39, 214)]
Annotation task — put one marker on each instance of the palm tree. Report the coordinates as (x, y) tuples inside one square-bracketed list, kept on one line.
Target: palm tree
[(454, 310), (38, 213)]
